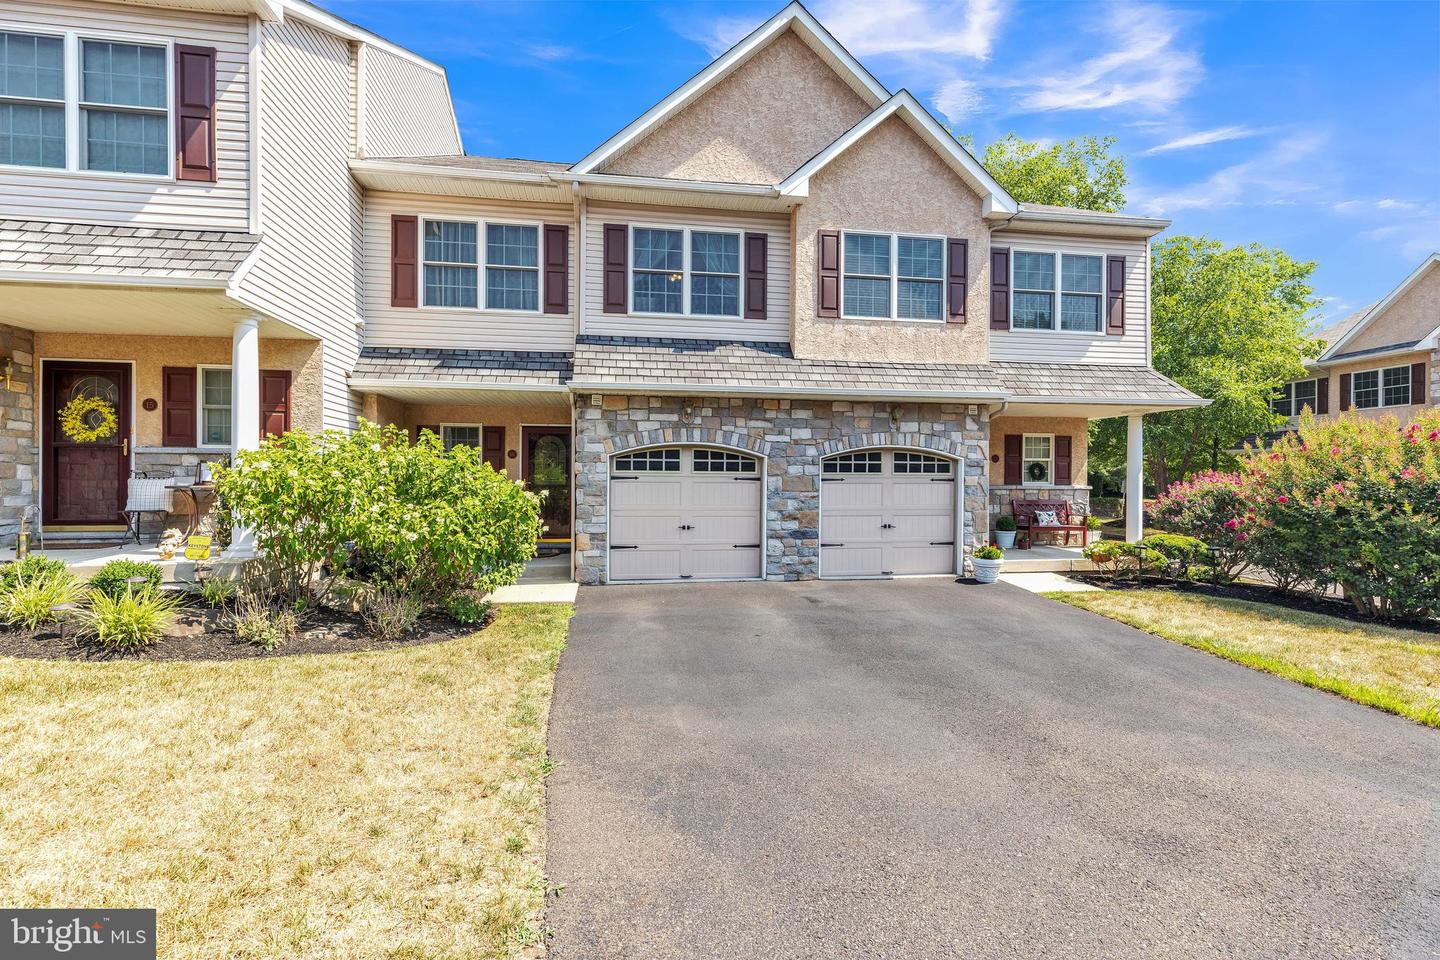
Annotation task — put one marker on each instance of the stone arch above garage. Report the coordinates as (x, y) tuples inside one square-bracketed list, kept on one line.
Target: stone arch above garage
[(915, 441), (690, 436)]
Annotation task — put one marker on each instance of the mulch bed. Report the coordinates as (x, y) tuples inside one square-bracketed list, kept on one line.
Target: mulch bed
[(198, 634), (1258, 593)]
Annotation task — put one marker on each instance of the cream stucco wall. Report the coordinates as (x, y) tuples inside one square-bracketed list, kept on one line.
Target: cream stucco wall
[(758, 125), (1077, 429), (1413, 316), (151, 355), (891, 181), (511, 417)]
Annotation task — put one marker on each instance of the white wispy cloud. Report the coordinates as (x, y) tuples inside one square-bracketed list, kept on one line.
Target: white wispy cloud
[(1274, 177), (1201, 138)]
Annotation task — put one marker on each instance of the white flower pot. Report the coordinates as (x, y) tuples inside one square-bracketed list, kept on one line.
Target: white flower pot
[(987, 571), (1005, 539)]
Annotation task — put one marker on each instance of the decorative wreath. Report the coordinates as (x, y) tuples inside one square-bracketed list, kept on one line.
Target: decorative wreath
[(87, 419), (1036, 472)]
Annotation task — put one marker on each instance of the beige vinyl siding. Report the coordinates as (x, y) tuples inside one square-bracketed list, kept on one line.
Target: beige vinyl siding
[(453, 328), (1132, 348), (84, 197), (407, 108), (774, 328), (307, 273)]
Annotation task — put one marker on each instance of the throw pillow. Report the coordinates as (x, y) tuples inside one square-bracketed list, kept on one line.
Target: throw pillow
[(1047, 518)]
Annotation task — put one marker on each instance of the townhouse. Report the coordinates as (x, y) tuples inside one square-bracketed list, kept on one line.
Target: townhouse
[(782, 325)]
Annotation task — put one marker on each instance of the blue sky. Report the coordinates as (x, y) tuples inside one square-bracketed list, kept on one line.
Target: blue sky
[(1314, 127)]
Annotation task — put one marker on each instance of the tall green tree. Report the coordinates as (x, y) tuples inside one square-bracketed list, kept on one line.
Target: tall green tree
[(1081, 172), (1229, 324)]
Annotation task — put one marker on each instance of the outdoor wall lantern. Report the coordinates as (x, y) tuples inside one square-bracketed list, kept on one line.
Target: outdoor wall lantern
[(6, 366), (687, 411)]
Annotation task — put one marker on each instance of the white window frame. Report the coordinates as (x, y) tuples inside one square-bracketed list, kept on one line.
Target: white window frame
[(894, 278), (1380, 387), (201, 406), (687, 273), (73, 105), (1025, 461), (1057, 295), (479, 431), (481, 266), (1289, 391)]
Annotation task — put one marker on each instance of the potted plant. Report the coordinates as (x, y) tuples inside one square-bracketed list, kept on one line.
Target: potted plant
[(987, 562), (1005, 533)]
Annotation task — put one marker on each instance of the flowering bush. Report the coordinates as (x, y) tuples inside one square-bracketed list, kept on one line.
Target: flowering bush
[(1215, 508)]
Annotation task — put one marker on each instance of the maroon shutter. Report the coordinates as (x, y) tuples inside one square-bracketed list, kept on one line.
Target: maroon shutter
[(617, 240), (274, 402), (957, 274), (1322, 395), (1115, 296), (1062, 459), (493, 446), (177, 417), (827, 269), (757, 255), (1417, 382), (1000, 301), (1344, 392), (419, 428), (557, 268), (1012, 458), (194, 113), (404, 270)]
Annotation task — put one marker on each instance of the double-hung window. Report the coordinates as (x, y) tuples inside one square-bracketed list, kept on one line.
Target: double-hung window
[(685, 272), (1294, 397), (1389, 387), (215, 386), (512, 267), (451, 256), (893, 277), (1081, 291), (32, 100), (1396, 386), (1037, 464), (460, 435)]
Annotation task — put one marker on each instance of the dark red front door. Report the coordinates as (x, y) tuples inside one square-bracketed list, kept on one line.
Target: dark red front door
[(547, 470), (85, 476)]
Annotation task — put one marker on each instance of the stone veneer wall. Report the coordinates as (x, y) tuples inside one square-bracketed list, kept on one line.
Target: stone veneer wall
[(176, 462), (1001, 495), (793, 434), (19, 454)]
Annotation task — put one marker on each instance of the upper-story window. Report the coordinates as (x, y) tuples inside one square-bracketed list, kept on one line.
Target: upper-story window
[(1034, 291), (451, 255), (1389, 387), (682, 271), (118, 105), (1294, 397), (888, 276)]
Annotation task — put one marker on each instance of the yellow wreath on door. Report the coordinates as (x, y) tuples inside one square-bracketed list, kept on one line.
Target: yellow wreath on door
[(87, 419)]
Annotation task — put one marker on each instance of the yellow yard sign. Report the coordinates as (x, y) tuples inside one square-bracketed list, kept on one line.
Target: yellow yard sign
[(197, 548)]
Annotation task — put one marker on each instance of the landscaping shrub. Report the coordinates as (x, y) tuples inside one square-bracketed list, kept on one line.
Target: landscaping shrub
[(262, 625), (1005, 524), (1118, 557), (217, 591), (432, 522), (391, 613), (1178, 548), (127, 621), (111, 578), (467, 608), (1215, 508), (33, 589), (33, 566), (989, 553)]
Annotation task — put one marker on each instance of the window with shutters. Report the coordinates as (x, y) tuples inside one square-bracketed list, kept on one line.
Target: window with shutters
[(888, 276), (683, 271), (1388, 387), (32, 100), (1294, 397), (1037, 463), (1039, 277), (124, 107), (450, 252), (461, 435), (214, 386)]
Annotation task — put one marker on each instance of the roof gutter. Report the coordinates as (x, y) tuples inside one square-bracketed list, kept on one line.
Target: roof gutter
[(660, 183), (372, 385), (769, 390), (112, 280), (441, 172)]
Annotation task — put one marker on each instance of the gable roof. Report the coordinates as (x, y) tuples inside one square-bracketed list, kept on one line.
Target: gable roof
[(794, 17), (1346, 329), (904, 105)]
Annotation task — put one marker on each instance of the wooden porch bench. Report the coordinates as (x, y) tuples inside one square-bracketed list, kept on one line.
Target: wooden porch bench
[(1026, 528)]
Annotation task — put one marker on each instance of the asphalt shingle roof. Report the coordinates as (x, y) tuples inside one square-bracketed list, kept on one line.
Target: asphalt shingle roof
[(49, 247), (407, 364), (1100, 381)]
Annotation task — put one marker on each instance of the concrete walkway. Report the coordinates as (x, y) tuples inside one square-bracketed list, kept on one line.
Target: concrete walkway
[(546, 580)]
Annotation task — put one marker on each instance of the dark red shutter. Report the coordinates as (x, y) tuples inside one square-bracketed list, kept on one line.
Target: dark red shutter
[(1115, 296), (1062, 459), (404, 270), (419, 428), (1000, 306), (274, 402), (493, 446), (617, 242), (1417, 382), (1322, 395), (957, 277), (1344, 392), (757, 256), (178, 399), (827, 270), (557, 268), (194, 113), (1012, 458)]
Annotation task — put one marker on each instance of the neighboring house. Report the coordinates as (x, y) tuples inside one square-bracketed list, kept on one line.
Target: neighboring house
[(782, 325), (1384, 359)]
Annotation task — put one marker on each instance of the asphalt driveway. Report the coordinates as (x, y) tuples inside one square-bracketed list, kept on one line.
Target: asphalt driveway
[(926, 769)]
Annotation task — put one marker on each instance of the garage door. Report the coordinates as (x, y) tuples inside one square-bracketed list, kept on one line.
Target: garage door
[(685, 513), (886, 513)]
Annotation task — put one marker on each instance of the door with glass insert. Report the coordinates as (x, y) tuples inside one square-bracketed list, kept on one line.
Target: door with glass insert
[(547, 471), (86, 442)]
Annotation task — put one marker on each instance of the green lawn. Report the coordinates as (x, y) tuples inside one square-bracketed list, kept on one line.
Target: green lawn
[(1392, 669), (383, 804)]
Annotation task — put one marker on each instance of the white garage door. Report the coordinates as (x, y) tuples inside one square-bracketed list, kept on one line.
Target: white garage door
[(886, 513), (682, 513)]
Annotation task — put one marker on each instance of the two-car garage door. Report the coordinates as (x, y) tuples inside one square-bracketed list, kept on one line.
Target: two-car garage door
[(886, 513)]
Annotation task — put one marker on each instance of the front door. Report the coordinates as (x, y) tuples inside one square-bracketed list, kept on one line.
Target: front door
[(87, 442), (547, 471)]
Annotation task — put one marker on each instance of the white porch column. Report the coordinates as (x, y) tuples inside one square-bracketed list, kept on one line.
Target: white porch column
[(1134, 478), (244, 411)]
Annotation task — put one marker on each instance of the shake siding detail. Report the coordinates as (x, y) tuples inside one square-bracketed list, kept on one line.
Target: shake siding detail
[(407, 109), (774, 328), (387, 326), (308, 271), (85, 197), (1057, 347)]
